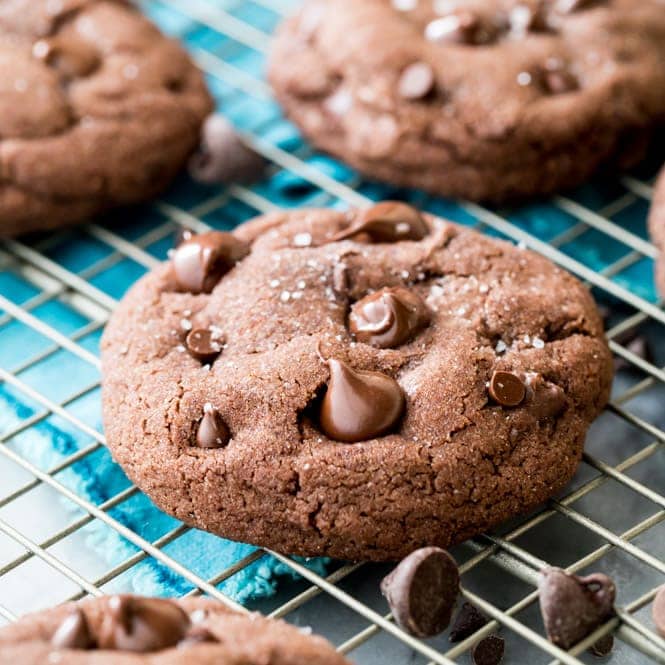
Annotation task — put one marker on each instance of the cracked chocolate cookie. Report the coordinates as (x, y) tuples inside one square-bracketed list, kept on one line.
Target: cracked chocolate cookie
[(354, 384), (132, 630), (97, 109), (657, 229), (483, 99)]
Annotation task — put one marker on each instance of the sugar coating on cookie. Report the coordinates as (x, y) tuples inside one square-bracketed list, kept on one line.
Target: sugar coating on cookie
[(657, 228), (482, 99), (330, 421), (97, 109), (137, 630)]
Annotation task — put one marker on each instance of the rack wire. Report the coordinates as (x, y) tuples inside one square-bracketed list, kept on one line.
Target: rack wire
[(597, 234)]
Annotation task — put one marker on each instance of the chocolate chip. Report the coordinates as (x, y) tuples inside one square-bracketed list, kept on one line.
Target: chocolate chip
[(388, 318), (204, 344), (388, 221), (71, 57), (658, 611), (222, 157), (557, 79), (463, 27), (416, 81), (422, 591), (569, 6), (468, 621), (489, 651), (544, 398), (523, 19), (571, 606), (359, 405), (73, 632), (636, 344), (141, 624), (181, 235), (197, 635), (603, 647), (506, 388), (200, 262), (212, 431)]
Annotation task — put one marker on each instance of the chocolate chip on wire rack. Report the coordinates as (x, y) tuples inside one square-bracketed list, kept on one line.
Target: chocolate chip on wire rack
[(489, 651), (422, 591), (603, 647), (469, 619), (572, 606)]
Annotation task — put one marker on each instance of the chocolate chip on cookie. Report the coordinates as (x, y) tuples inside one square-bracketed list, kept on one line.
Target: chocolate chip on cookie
[(507, 388), (204, 344), (458, 98), (388, 221), (200, 262), (359, 405), (489, 651), (73, 632), (197, 635), (469, 619), (572, 606), (422, 591), (141, 624), (212, 431), (409, 395), (388, 318)]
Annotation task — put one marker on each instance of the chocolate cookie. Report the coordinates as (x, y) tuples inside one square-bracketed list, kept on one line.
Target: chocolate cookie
[(97, 109), (132, 630), (356, 395), (481, 99), (657, 228)]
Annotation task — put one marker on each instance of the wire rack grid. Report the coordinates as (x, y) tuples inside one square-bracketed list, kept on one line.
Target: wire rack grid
[(57, 291)]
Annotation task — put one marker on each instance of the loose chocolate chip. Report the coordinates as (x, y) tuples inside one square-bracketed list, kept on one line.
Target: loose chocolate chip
[(388, 221), (603, 647), (489, 651), (571, 606), (204, 344), (222, 157), (71, 57), (658, 611), (422, 591), (416, 81), (359, 405), (463, 27), (73, 632), (200, 262), (141, 624), (506, 388), (388, 318), (197, 635), (468, 621), (544, 398), (212, 431)]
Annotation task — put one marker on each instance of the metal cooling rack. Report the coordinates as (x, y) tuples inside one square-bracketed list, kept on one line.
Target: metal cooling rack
[(611, 518)]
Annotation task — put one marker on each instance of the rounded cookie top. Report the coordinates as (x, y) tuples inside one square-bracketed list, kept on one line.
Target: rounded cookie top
[(357, 384), (657, 228), (481, 99), (97, 109), (133, 630)]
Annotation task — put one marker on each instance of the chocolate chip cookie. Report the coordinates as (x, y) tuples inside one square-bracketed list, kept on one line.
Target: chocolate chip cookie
[(97, 109), (133, 630), (354, 384), (657, 228), (481, 99)]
